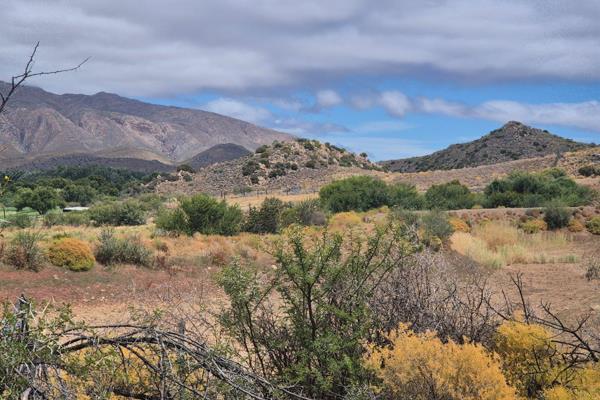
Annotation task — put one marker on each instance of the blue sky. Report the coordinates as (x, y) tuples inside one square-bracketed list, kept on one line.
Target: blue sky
[(394, 78)]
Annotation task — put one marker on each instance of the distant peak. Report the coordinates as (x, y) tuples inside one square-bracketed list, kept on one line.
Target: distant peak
[(514, 124)]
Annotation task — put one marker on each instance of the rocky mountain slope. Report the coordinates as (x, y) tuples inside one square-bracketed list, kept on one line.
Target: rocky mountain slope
[(513, 141), (37, 123), (294, 165)]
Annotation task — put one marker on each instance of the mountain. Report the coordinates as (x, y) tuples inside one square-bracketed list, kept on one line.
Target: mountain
[(42, 124), (513, 141), (217, 154)]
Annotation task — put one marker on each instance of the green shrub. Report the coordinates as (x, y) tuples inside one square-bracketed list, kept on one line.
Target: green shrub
[(128, 250), (556, 216), (203, 214), (118, 214), (265, 219), (357, 193), (436, 227), (70, 253), (593, 225), (75, 218), (24, 252), (404, 195), (249, 168), (311, 164), (449, 196), (83, 194), (22, 220), (522, 189)]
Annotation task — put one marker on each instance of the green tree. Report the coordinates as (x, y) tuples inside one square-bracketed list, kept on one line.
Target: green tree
[(267, 218), (313, 335), (41, 199)]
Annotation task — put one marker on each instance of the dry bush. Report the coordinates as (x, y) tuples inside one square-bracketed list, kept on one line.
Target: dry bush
[(459, 225), (24, 251), (71, 253), (534, 225), (428, 293), (576, 225), (422, 367), (497, 234), (593, 225)]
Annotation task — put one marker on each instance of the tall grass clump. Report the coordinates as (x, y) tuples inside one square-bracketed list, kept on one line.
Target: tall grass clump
[(127, 250)]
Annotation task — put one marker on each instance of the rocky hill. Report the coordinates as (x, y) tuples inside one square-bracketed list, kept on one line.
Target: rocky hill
[(37, 123), (293, 165), (513, 141)]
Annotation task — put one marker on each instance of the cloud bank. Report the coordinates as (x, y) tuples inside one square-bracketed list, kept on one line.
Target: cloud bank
[(160, 48)]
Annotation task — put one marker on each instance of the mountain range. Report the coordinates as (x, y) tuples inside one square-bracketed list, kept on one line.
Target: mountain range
[(39, 127), (513, 141)]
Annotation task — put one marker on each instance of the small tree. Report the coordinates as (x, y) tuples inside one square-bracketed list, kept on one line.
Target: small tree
[(357, 193)]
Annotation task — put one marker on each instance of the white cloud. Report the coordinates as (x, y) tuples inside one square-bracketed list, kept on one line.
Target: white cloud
[(395, 103), (168, 48), (237, 109), (328, 98)]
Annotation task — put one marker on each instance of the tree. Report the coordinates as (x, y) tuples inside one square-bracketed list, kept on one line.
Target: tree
[(357, 193), (41, 199)]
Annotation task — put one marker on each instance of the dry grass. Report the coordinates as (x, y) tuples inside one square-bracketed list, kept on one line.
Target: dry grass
[(498, 244), (256, 200)]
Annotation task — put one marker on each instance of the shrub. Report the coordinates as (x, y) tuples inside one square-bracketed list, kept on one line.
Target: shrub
[(593, 225), (459, 225), (556, 217), (435, 227), (422, 367), (522, 189), (357, 193), (265, 219), (307, 213), (22, 220), (185, 168), (70, 253), (203, 214), (118, 214), (311, 164), (128, 250), (322, 287), (535, 364), (575, 225), (449, 196), (24, 252), (249, 168), (262, 149), (589, 170), (75, 218), (405, 196), (534, 225)]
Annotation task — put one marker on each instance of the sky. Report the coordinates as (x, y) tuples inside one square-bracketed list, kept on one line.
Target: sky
[(392, 78)]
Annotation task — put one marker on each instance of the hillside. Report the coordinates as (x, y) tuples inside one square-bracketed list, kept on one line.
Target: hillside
[(42, 123), (217, 154), (513, 141), (294, 166)]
